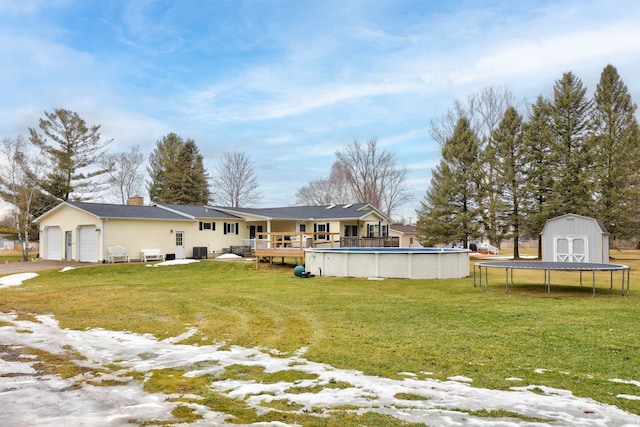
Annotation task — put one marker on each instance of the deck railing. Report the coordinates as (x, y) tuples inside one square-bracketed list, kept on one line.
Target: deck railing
[(370, 242)]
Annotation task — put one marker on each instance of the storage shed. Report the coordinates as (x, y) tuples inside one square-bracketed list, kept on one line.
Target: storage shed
[(575, 238)]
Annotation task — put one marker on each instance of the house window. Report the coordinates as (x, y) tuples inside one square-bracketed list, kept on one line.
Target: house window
[(376, 230), (350, 231), (411, 240), (230, 228), (208, 226), (302, 228), (322, 228)]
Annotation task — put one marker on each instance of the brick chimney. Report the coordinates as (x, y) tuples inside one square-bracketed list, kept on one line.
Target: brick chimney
[(136, 201)]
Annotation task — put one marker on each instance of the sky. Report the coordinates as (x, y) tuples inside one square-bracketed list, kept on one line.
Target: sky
[(105, 394), (290, 82)]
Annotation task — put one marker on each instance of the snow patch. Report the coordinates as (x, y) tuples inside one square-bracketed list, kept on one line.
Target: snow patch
[(15, 279), (229, 256)]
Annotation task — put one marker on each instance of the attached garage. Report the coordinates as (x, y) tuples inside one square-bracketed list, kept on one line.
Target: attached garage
[(53, 243), (87, 243)]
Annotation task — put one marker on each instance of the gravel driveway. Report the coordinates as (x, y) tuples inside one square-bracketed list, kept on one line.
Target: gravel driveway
[(40, 265)]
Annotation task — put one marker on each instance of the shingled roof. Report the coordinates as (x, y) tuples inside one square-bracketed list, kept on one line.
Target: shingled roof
[(198, 211), (112, 211), (303, 213), (158, 211)]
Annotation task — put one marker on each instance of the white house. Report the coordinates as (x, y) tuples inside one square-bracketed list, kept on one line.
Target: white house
[(81, 231)]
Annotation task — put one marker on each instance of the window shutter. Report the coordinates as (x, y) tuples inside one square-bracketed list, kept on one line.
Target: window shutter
[(327, 236), (213, 226), (225, 228), (237, 228), (200, 225)]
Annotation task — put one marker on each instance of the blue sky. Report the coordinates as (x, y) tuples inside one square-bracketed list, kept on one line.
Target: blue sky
[(291, 82)]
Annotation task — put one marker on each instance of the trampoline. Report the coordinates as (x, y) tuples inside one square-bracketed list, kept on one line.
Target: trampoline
[(548, 267)]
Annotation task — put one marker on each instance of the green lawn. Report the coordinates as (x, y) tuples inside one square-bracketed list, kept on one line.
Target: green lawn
[(443, 327)]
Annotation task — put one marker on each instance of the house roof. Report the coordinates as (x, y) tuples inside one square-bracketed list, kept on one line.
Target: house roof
[(404, 229), (198, 211), (352, 211), (156, 211), (107, 210)]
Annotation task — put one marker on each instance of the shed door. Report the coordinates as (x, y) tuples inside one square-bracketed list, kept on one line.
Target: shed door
[(53, 236), (88, 243), (570, 249)]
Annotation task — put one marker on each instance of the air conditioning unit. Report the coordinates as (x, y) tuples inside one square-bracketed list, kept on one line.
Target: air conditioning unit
[(200, 252)]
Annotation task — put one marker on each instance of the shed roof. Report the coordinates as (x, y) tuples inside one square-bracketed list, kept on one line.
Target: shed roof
[(600, 224)]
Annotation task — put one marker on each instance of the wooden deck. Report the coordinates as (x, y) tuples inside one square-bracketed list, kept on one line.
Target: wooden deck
[(292, 245)]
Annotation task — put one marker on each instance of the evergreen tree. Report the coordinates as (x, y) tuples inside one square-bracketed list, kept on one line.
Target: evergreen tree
[(539, 175), (187, 184), (73, 151), (177, 172), (572, 148), (617, 149), (163, 159), (510, 168), (449, 211)]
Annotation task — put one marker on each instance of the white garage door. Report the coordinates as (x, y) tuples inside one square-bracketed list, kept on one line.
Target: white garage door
[(88, 243), (54, 243)]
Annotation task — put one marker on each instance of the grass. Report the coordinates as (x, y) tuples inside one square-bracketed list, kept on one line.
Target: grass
[(433, 328)]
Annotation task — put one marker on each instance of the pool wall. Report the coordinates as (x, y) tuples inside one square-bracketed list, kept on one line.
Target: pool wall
[(403, 263)]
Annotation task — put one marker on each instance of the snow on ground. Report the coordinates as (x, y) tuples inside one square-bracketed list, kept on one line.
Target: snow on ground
[(15, 279), (35, 398), (229, 256), (173, 262)]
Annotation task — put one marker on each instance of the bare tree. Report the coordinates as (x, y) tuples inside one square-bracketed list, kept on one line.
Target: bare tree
[(374, 176), (324, 191), (235, 183), (125, 178), (19, 187)]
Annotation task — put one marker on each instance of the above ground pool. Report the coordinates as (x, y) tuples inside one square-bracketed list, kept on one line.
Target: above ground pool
[(403, 263)]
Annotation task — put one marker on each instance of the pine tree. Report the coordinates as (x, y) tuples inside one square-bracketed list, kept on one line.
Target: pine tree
[(617, 148), (187, 184), (162, 159), (177, 172), (73, 151), (510, 168), (539, 175), (572, 148), (449, 211)]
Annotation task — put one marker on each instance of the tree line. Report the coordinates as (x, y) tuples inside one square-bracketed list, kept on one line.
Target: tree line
[(64, 159), (507, 168)]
